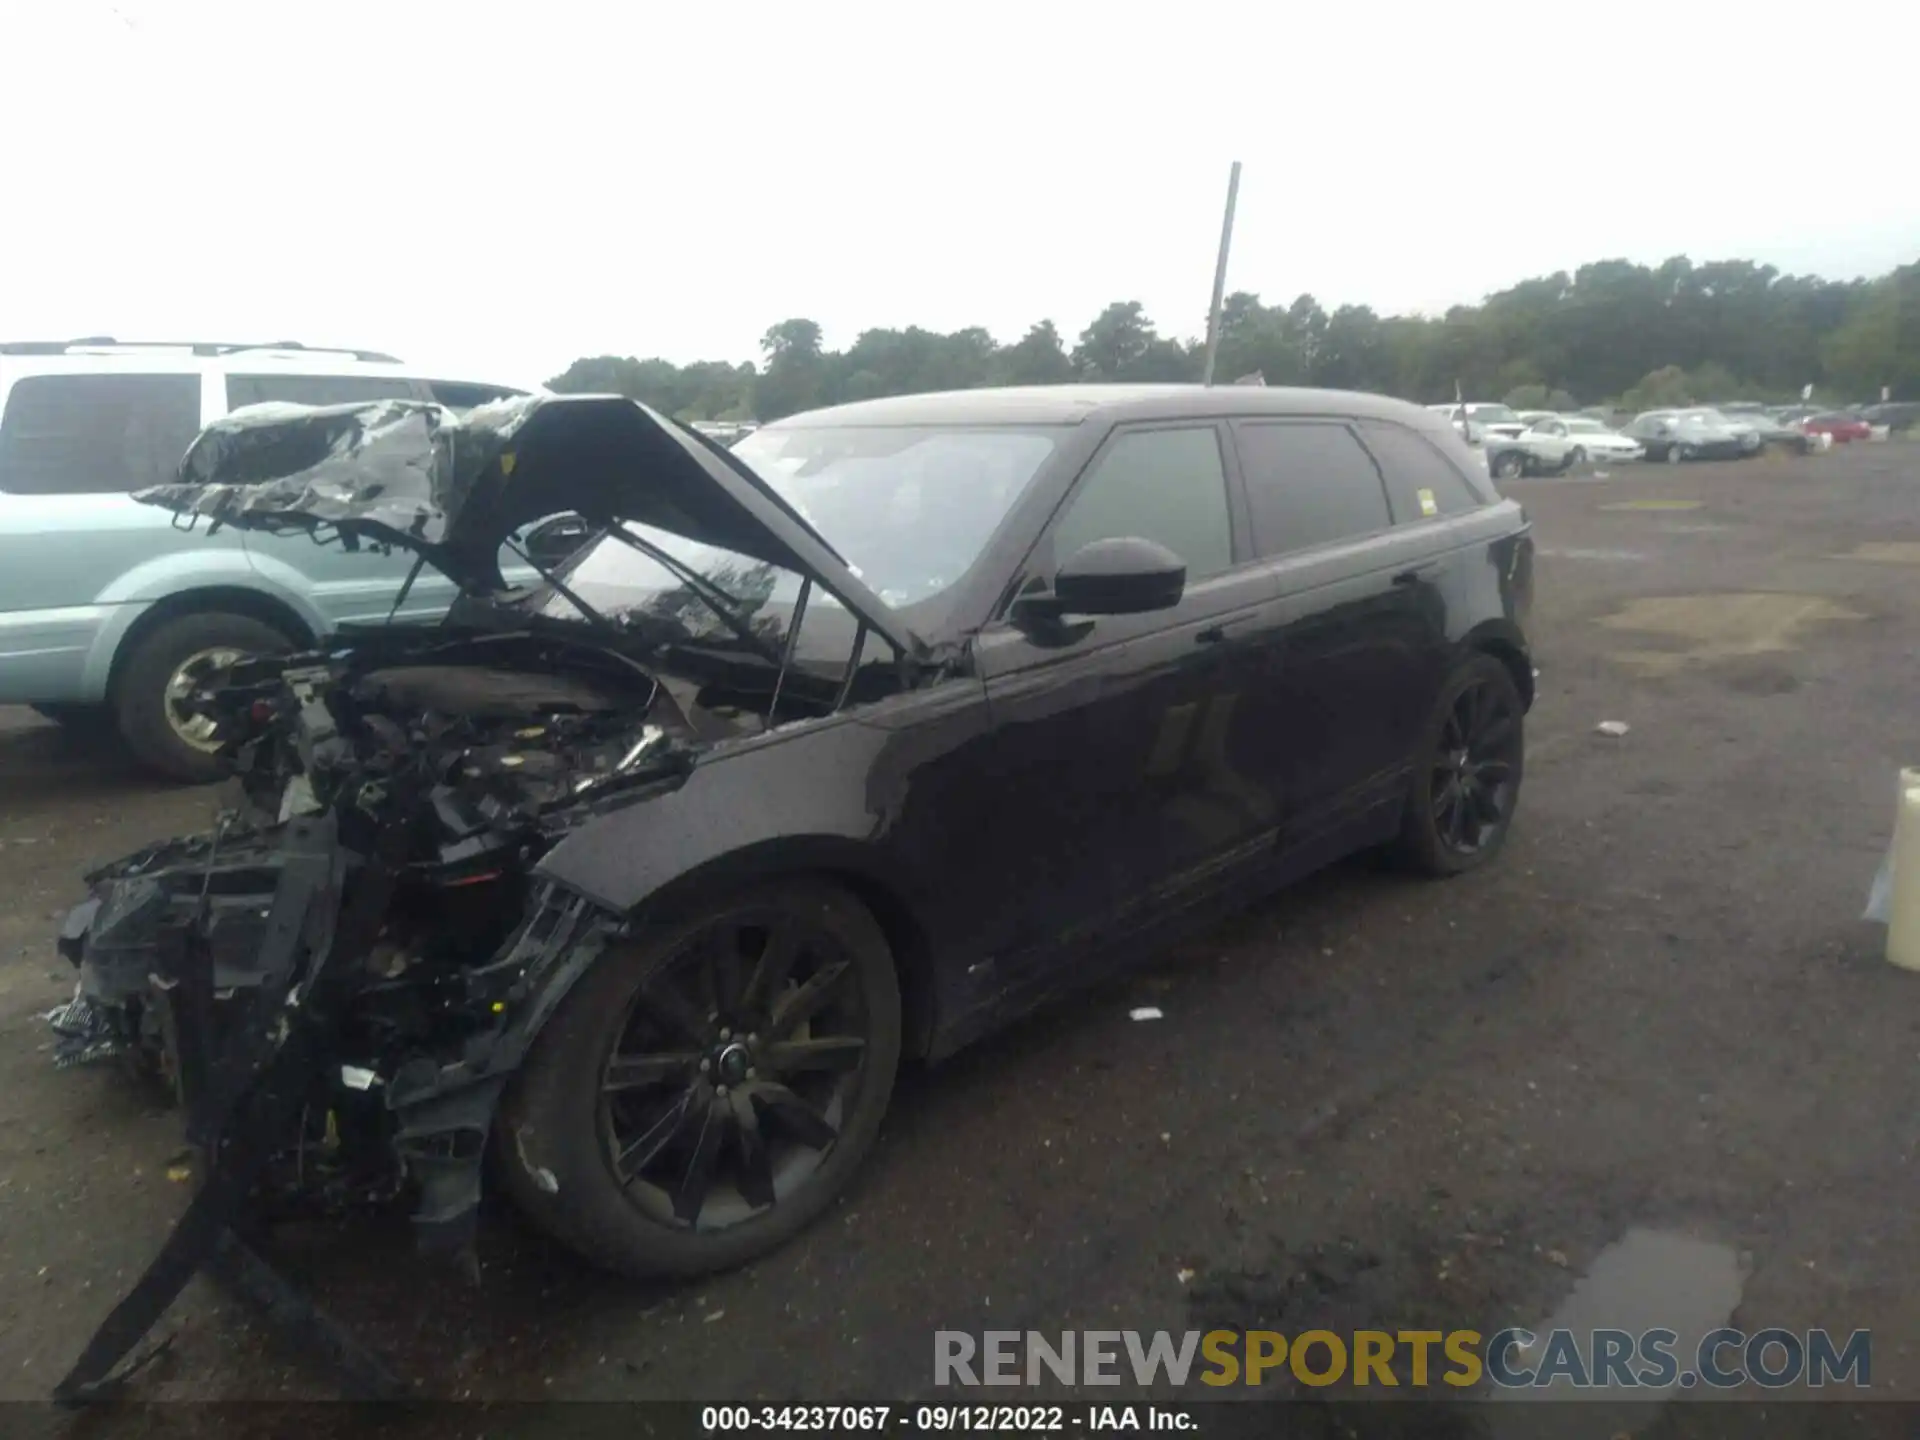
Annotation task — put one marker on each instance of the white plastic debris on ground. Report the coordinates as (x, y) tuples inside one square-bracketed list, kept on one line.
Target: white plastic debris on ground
[(1613, 727), (1145, 1012)]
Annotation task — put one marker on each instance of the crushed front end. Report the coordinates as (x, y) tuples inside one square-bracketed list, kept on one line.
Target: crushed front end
[(338, 980)]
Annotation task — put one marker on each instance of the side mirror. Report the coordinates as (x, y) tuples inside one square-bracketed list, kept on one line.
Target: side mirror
[(1124, 576), (555, 539)]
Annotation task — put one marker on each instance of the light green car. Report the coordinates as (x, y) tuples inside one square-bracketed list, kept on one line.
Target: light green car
[(109, 610)]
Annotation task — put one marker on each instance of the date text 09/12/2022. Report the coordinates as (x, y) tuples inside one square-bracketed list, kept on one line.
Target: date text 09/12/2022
[(943, 1419)]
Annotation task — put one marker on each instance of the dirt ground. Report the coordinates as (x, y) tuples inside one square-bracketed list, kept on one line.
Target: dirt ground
[(1438, 1101)]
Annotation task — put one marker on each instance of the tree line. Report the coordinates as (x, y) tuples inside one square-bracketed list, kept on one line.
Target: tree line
[(1635, 336)]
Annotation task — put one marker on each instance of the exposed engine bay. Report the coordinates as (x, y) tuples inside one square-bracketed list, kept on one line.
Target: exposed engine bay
[(481, 749)]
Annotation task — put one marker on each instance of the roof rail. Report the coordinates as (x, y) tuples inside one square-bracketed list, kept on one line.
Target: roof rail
[(198, 347)]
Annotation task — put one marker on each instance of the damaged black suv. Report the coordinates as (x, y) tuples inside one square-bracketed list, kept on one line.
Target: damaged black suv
[(842, 746)]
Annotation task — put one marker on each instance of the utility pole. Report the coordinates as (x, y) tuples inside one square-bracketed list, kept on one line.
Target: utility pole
[(1220, 276)]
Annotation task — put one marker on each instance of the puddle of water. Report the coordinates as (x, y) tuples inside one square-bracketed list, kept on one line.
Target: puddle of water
[(1701, 628), (1885, 552), (1653, 505), (1646, 1280), (1593, 554)]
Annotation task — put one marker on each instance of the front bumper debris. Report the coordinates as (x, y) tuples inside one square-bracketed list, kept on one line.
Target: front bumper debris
[(251, 1044)]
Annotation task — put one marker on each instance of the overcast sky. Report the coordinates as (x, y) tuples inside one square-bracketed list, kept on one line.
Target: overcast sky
[(493, 189)]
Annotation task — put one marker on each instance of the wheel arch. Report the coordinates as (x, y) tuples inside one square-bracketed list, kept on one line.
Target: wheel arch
[(210, 599), (834, 860), (1506, 645)]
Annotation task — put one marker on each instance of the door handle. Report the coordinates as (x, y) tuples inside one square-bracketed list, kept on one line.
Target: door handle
[(1218, 632), (1420, 574)]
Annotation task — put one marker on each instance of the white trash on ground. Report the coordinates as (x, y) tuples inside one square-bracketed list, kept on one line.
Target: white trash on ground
[(1145, 1012), (1613, 727)]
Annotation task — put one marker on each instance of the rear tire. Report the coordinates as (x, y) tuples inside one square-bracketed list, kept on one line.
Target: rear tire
[(1576, 458), (164, 659), (678, 1069), (1510, 466), (1466, 773)]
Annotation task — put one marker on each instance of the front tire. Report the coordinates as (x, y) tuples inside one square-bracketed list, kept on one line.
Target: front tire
[(1677, 454), (706, 1090), (160, 671), (1467, 772), (1576, 458), (1510, 466)]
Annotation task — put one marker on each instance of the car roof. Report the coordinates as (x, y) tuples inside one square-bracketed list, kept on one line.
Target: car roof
[(83, 357), (1075, 404)]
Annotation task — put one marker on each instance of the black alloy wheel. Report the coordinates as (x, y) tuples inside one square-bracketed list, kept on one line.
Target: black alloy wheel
[(741, 1055), (1466, 782), (1510, 466), (699, 1098)]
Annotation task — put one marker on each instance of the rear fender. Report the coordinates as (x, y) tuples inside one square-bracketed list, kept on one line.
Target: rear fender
[(170, 576)]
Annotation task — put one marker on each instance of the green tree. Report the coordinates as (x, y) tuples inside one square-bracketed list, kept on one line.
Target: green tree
[(1659, 390), (1037, 358), (797, 371), (1115, 344), (1673, 333)]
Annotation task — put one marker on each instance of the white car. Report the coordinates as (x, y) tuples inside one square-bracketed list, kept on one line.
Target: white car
[(1483, 416), (1577, 439)]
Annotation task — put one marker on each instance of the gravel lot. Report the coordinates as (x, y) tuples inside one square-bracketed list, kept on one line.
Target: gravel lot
[(1438, 1100)]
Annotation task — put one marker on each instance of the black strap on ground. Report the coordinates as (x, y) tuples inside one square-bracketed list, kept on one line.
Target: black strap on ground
[(306, 1327), (264, 1105)]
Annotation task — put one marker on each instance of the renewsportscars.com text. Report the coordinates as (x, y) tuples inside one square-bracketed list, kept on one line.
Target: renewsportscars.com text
[(1509, 1359)]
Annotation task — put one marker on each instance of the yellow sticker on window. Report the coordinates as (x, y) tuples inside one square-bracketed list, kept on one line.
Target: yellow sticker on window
[(1428, 505), (507, 457)]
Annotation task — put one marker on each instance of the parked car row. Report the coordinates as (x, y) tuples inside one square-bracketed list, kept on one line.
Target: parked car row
[(1543, 442), (1537, 442)]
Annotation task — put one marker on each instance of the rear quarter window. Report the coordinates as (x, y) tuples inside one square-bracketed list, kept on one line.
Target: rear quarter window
[(1422, 483), (95, 434), (1308, 483)]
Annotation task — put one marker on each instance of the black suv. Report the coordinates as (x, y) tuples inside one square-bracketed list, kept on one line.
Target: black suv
[(843, 745)]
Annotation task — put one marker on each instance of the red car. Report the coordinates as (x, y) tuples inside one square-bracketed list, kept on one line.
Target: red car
[(1841, 427)]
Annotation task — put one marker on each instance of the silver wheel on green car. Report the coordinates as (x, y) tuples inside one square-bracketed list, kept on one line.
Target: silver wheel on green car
[(192, 673), (154, 681)]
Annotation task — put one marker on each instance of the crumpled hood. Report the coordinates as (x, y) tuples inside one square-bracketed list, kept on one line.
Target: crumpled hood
[(452, 486)]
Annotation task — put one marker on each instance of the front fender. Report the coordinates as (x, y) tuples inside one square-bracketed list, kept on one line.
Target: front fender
[(807, 800)]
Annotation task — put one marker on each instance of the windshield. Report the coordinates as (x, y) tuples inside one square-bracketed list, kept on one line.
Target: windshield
[(1585, 427), (909, 508), (1492, 415)]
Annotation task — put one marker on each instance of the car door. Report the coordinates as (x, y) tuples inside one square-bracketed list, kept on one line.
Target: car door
[(76, 548), (1121, 747), (1364, 633)]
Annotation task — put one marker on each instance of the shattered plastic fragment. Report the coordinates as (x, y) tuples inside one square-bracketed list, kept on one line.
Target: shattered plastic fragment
[(1613, 727), (1145, 1012)]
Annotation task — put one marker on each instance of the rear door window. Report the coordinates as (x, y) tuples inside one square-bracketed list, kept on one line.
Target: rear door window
[(1309, 483), (1168, 486), (96, 434), (317, 389), (1422, 484)]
